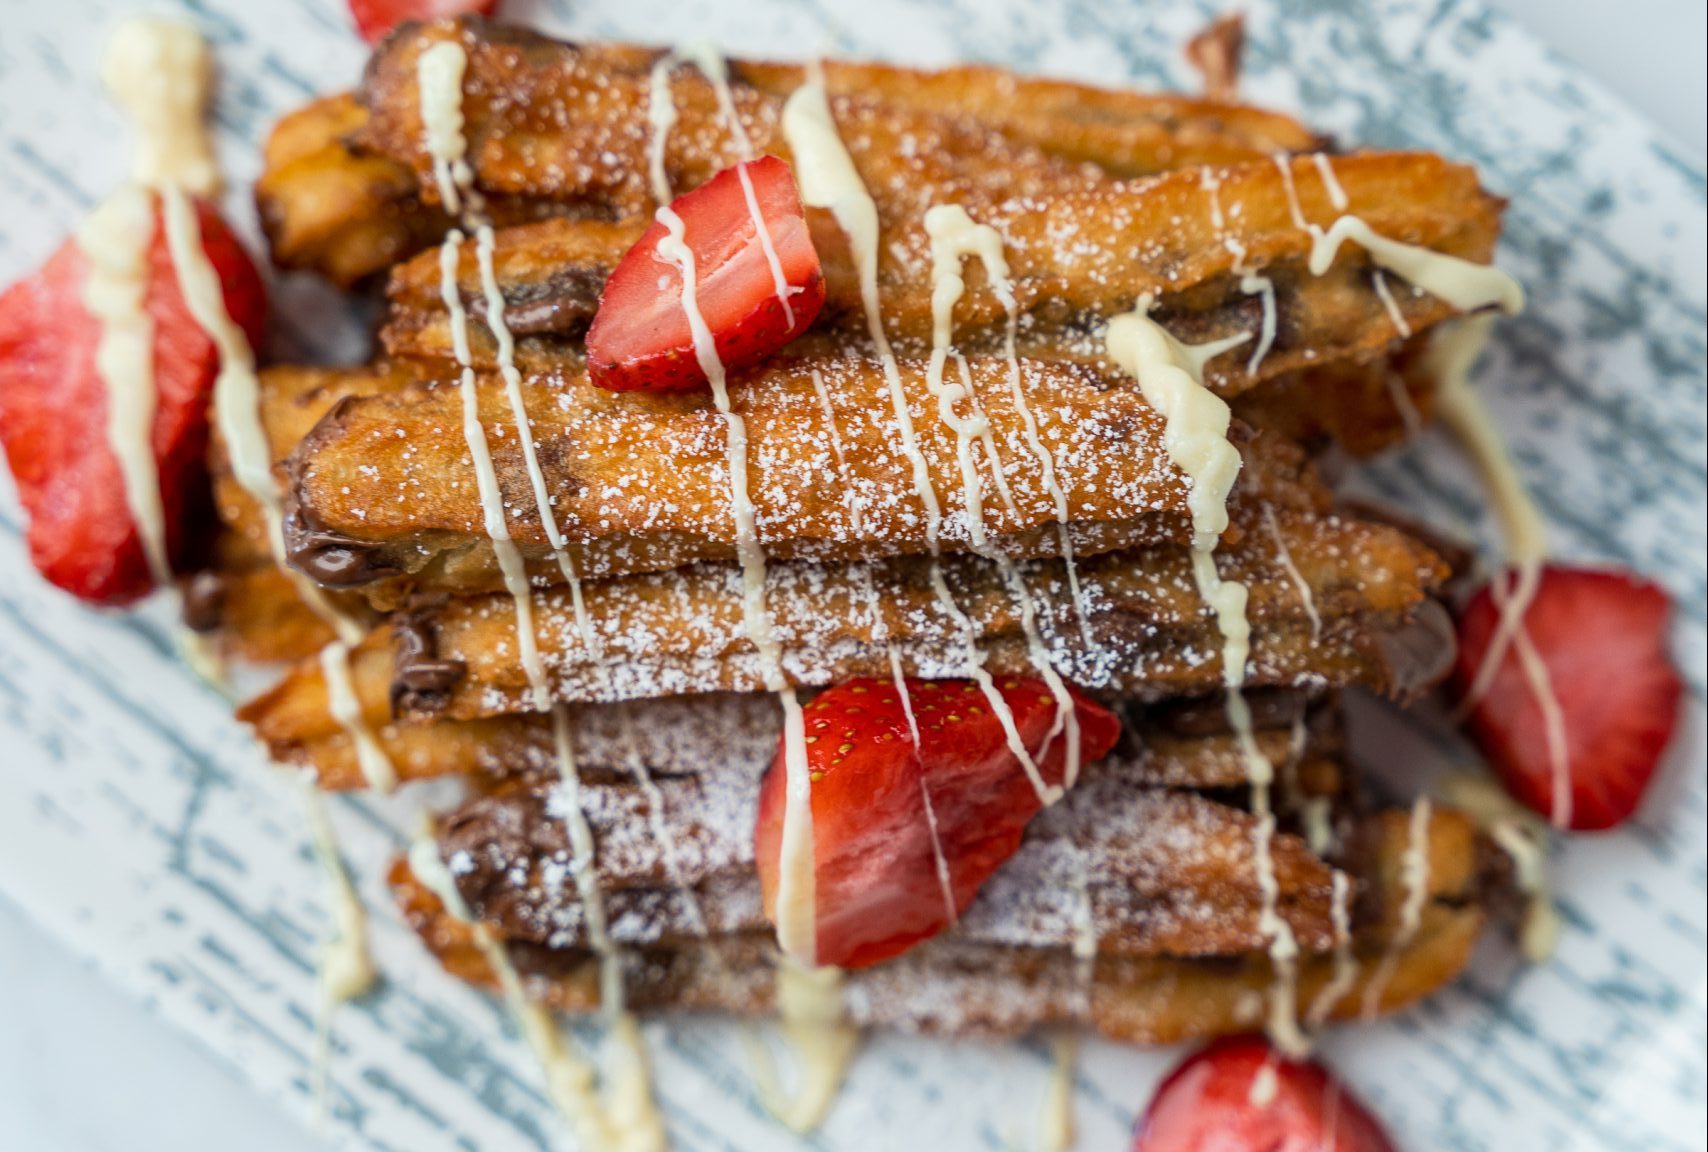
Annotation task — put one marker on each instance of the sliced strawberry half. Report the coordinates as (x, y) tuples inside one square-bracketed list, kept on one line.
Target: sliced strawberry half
[(879, 888), (377, 18), (1601, 636), (1216, 1101), (640, 340), (53, 413)]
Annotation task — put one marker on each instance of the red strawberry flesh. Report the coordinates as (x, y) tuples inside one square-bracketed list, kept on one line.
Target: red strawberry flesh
[(375, 19), (1216, 1101), (640, 339), (877, 883), (1601, 636), (53, 414)]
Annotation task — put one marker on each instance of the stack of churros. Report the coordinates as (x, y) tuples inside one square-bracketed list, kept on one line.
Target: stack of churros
[(860, 535)]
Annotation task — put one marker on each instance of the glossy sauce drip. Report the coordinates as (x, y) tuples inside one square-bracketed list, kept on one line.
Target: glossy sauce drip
[(954, 237), (1345, 972), (1306, 600), (627, 1120), (1523, 836), (796, 918), (633, 1115), (1196, 420), (115, 239), (1414, 868), (1250, 281), (660, 119), (1056, 1126), (1452, 352), (828, 179), (160, 72), (1454, 347)]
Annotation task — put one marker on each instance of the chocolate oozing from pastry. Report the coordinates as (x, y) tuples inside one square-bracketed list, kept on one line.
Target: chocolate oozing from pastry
[(330, 559), (422, 683), (1420, 653), (204, 601)]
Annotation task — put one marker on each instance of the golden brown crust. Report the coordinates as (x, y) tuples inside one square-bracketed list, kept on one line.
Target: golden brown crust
[(670, 737), (681, 632), (1076, 257), (351, 211), (638, 483), (1165, 872), (327, 207), (954, 986)]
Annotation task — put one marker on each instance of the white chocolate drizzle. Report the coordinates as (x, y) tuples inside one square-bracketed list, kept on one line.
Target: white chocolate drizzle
[(1196, 420), (1523, 836), (1379, 280), (1452, 351), (828, 179), (1331, 183), (660, 119), (160, 72), (954, 236), (1303, 586), (1414, 869), (1056, 1126), (345, 970), (115, 239), (629, 1118), (1466, 285), (626, 1118), (809, 1002), (712, 66), (1345, 972)]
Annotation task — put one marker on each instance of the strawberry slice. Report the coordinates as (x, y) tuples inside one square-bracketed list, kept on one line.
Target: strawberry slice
[(1602, 637), (53, 413), (1214, 1102), (640, 339), (377, 18), (878, 886)]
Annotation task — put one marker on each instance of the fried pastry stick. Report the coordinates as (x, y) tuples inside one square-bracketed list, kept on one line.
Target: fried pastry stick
[(1220, 254), (1152, 861), (253, 608), (1191, 965), (349, 211), (244, 601), (1177, 745), (383, 494), (681, 632)]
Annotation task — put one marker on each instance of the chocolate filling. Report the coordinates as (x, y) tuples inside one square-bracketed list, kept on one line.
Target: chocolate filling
[(422, 681), (204, 601), (1419, 653), (330, 559)]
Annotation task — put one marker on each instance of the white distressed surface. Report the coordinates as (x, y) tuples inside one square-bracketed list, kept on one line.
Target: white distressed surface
[(137, 829)]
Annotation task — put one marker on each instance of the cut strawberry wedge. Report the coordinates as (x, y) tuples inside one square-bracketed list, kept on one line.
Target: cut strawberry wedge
[(1601, 637), (1216, 1101), (53, 413), (879, 875), (753, 301), (376, 18)]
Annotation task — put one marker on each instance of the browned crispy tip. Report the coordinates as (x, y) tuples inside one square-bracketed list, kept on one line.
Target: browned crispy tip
[(1216, 52)]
